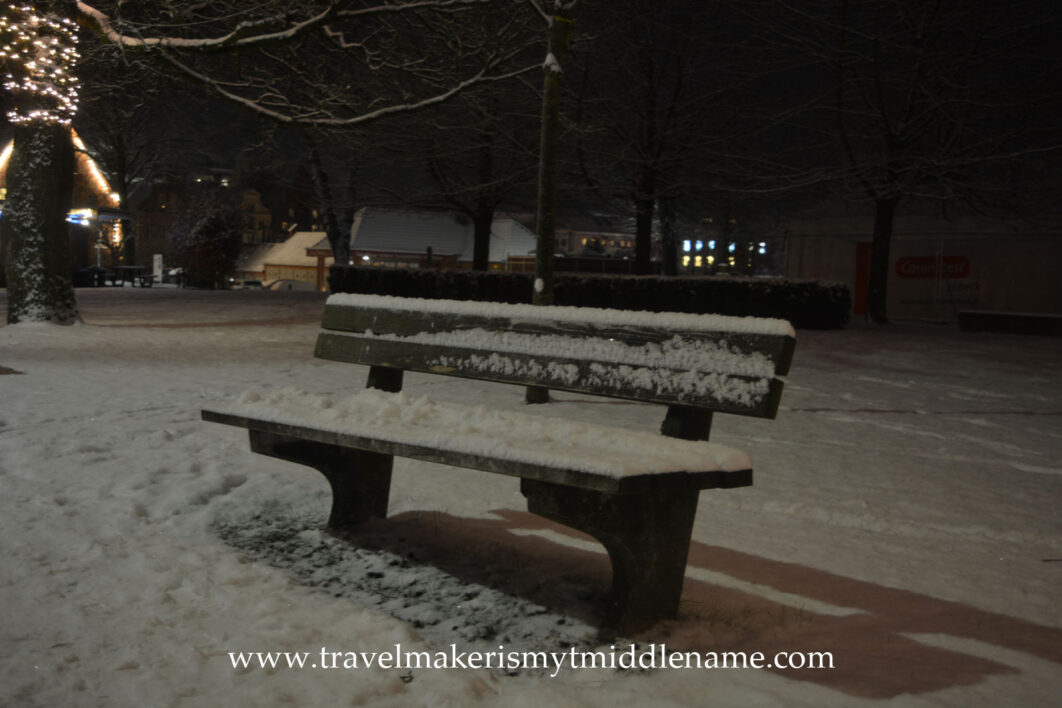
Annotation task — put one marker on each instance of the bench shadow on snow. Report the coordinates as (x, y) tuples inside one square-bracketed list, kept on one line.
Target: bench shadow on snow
[(545, 583)]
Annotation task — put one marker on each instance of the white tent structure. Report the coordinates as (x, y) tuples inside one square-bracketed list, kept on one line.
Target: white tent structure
[(402, 239)]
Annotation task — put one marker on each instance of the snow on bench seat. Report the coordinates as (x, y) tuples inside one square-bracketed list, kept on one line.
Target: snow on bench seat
[(519, 444)]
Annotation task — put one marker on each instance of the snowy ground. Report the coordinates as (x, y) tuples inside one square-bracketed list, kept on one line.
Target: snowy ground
[(905, 517)]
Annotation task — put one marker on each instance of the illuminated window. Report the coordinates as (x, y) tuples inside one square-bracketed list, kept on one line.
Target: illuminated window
[(585, 241), (686, 246), (732, 247), (686, 261), (700, 245), (711, 260), (697, 262), (763, 247), (711, 245)]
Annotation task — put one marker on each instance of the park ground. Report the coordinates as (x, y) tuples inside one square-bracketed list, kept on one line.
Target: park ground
[(904, 518)]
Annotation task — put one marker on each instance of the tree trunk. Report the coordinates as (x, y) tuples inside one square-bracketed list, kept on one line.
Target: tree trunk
[(884, 210), (644, 208), (668, 239), (337, 239), (484, 216), (40, 179), (481, 226), (643, 236)]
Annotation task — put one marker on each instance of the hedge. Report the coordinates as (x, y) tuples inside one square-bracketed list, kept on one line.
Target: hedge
[(806, 304)]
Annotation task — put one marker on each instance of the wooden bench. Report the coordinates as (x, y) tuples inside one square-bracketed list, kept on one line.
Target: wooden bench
[(633, 490)]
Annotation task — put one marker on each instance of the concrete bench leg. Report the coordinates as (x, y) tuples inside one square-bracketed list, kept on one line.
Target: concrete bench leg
[(647, 536), (360, 480)]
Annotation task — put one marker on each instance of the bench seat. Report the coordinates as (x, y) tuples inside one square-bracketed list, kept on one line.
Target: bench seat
[(530, 446)]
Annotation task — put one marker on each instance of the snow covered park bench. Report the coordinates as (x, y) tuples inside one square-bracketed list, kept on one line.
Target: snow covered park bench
[(634, 490)]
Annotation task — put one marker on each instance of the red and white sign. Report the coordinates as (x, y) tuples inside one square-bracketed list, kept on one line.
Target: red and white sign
[(933, 267)]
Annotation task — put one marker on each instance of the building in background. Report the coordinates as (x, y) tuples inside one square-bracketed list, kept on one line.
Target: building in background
[(303, 258), (96, 216), (936, 267), (398, 238)]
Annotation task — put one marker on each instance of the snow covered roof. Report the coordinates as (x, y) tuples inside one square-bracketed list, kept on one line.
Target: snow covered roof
[(400, 231), (291, 252), (406, 231)]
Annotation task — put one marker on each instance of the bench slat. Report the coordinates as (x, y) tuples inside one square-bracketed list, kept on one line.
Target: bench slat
[(740, 395), (405, 323), (631, 484)]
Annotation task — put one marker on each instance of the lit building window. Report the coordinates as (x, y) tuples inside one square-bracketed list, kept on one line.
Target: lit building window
[(763, 247), (711, 260), (697, 262), (711, 245), (700, 245), (686, 246), (686, 261), (732, 247)]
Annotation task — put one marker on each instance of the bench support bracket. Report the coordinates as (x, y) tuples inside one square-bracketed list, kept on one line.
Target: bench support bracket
[(647, 537), (360, 480)]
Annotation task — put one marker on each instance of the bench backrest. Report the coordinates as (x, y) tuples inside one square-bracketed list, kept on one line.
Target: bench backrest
[(700, 362)]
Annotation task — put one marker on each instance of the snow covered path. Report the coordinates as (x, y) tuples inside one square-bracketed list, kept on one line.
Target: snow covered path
[(905, 517)]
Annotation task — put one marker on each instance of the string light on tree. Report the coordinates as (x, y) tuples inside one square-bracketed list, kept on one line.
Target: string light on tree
[(39, 52)]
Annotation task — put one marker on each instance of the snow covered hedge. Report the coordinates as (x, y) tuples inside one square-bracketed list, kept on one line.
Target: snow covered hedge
[(806, 304)]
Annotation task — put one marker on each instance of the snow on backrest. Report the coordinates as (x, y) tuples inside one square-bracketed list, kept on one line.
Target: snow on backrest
[(705, 360)]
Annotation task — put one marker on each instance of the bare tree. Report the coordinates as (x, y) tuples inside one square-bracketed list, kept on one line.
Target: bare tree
[(206, 238), (278, 59), (137, 123), (914, 101), (480, 156), (655, 97)]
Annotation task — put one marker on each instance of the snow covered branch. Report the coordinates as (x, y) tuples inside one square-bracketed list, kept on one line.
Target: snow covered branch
[(324, 120), (328, 63), (241, 36), (249, 33)]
